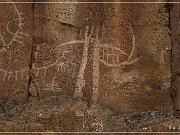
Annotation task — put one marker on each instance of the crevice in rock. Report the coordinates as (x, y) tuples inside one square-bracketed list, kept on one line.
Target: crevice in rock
[(169, 7), (172, 89), (32, 60), (33, 89)]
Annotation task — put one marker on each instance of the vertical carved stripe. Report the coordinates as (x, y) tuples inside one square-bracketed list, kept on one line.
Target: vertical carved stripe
[(96, 68), (80, 79)]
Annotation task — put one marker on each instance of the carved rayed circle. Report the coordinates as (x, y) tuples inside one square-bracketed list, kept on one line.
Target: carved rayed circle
[(11, 39), (8, 32)]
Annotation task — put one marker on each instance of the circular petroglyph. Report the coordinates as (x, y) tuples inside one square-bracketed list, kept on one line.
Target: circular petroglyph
[(118, 46), (10, 26), (12, 36)]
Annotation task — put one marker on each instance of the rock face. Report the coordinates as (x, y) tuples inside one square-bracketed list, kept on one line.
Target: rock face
[(175, 30), (55, 61), (135, 72), (16, 29), (126, 71), (115, 55), (60, 114)]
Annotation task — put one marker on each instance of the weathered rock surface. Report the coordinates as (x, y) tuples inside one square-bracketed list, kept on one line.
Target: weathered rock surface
[(62, 114), (143, 79), (175, 30), (16, 40), (116, 55), (54, 66), (122, 59), (113, 61), (175, 34)]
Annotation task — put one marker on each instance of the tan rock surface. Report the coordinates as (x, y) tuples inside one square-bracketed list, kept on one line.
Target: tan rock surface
[(115, 55), (61, 114), (134, 59), (16, 40)]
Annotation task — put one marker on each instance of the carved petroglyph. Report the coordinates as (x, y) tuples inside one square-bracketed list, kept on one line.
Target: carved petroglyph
[(16, 74), (93, 123), (17, 92), (92, 38), (3, 43), (98, 125), (53, 86), (18, 35), (80, 79), (67, 65), (116, 53), (7, 47), (62, 64), (115, 56), (96, 72)]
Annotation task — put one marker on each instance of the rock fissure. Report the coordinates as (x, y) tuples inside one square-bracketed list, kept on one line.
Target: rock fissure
[(32, 56)]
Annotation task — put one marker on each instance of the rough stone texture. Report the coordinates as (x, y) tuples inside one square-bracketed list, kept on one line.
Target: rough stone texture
[(175, 30), (16, 30), (135, 59), (109, 59), (61, 114), (55, 65), (177, 87), (62, 12), (175, 34), (115, 55)]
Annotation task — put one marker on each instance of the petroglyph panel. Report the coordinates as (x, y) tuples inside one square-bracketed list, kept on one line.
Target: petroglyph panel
[(145, 82), (120, 63), (15, 49), (138, 84), (55, 58), (116, 55)]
